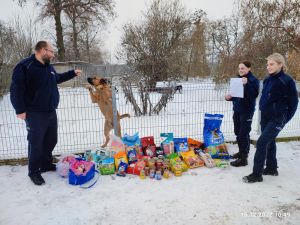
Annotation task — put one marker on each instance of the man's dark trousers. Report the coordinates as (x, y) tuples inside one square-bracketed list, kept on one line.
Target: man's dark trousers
[(42, 138), (242, 127), (266, 146)]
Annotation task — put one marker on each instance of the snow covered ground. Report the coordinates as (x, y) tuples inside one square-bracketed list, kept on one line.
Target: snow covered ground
[(201, 196)]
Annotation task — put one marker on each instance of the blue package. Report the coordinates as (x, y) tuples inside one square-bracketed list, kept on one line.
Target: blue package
[(181, 145)]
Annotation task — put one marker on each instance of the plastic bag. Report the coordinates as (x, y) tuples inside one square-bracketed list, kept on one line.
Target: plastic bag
[(63, 165), (116, 144)]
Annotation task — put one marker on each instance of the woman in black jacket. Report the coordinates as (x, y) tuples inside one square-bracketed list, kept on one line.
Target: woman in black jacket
[(278, 104), (243, 112)]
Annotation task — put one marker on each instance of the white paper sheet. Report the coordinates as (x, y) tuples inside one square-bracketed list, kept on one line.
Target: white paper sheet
[(236, 88)]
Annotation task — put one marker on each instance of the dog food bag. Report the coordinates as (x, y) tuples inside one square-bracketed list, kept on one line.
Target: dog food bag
[(167, 143), (132, 147), (181, 145), (213, 137), (194, 144), (131, 154), (191, 159), (148, 146), (107, 166), (120, 157), (116, 144), (122, 169), (176, 162)]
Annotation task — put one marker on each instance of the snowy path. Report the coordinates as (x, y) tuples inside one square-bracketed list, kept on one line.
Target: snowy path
[(200, 196)]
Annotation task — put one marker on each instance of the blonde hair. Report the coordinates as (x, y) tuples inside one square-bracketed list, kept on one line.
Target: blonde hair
[(277, 58)]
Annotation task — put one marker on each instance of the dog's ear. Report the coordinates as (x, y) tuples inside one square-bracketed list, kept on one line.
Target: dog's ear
[(103, 81)]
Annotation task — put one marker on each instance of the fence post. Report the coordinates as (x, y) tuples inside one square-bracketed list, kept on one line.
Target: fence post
[(114, 108)]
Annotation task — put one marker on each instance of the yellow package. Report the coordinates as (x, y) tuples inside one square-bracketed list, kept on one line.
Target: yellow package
[(176, 161), (191, 159), (120, 157)]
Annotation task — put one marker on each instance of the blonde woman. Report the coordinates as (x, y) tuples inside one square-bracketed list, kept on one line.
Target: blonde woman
[(278, 105)]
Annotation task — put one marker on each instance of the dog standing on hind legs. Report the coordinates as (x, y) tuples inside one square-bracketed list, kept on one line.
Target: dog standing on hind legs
[(100, 93)]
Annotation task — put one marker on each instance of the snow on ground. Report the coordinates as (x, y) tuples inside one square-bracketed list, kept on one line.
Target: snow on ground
[(200, 196)]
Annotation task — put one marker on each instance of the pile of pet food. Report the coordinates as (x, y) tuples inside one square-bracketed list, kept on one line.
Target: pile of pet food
[(140, 156)]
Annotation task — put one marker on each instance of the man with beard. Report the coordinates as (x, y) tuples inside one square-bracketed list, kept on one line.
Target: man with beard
[(34, 96)]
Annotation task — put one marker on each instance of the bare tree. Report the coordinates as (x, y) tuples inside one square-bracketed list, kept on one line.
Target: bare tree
[(84, 13), (154, 50), (16, 41), (224, 41), (198, 65), (53, 9)]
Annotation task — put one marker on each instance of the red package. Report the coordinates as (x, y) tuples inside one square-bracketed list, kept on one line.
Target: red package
[(135, 168), (148, 146)]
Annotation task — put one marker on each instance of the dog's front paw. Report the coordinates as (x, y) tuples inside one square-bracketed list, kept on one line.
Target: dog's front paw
[(89, 87)]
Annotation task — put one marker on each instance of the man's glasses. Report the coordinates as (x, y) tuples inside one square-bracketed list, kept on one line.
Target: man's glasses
[(49, 50)]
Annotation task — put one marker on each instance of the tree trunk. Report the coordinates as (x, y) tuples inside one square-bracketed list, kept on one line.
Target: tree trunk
[(75, 35), (59, 32)]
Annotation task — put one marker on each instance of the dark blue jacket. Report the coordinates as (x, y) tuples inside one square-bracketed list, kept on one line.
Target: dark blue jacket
[(279, 96), (251, 90), (34, 86)]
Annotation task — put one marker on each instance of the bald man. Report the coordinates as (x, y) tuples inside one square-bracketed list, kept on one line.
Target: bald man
[(35, 97)]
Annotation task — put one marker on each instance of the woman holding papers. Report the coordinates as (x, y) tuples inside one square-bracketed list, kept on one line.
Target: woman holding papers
[(243, 107), (278, 104)]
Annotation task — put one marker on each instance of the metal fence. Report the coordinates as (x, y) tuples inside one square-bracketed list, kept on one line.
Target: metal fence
[(81, 124)]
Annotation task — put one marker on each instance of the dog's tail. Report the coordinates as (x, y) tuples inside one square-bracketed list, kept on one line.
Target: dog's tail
[(124, 116)]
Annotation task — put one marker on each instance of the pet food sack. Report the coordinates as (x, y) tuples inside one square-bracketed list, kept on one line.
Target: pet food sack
[(181, 145), (176, 162), (213, 137), (132, 147), (167, 143), (194, 144), (107, 166), (148, 146), (121, 171), (191, 159), (63, 165), (81, 172), (120, 157)]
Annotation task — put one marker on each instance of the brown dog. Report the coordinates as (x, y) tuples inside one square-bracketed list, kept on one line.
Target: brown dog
[(102, 95)]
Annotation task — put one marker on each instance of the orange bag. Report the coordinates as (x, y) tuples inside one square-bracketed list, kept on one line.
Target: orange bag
[(192, 143)]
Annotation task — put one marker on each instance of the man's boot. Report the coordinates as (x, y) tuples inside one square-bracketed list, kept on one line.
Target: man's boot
[(241, 161), (236, 155)]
